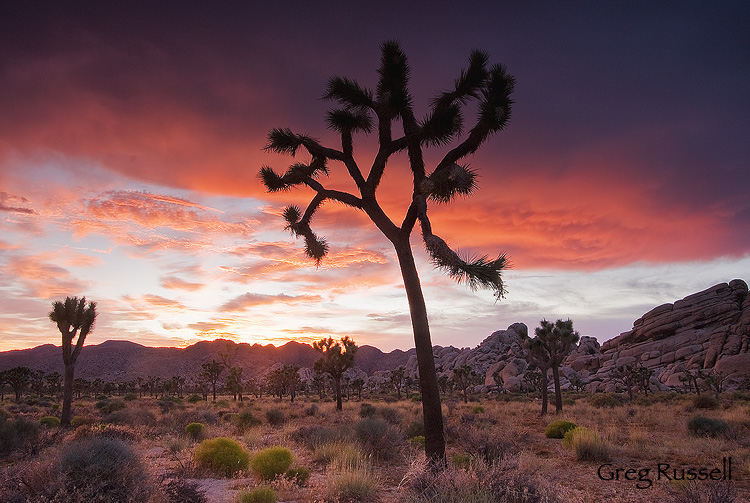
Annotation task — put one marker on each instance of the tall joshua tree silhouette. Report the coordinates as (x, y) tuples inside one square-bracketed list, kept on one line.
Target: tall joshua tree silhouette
[(73, 318), (443, 126)]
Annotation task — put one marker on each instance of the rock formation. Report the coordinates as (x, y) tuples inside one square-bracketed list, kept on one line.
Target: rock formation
[(709, 330)]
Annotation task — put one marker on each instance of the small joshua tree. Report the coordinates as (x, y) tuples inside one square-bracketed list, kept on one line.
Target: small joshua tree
[(337, 358), (548, 349), (73, 318)]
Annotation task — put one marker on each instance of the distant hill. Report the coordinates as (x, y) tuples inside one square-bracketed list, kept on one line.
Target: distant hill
[(123, 360)]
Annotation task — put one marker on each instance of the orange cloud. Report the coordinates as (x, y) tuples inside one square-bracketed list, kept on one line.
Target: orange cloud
[(175, 283), (256, 299)]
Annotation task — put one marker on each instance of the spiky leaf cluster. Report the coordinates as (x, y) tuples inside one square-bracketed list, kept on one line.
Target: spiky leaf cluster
[(475, 272), (443, 185)]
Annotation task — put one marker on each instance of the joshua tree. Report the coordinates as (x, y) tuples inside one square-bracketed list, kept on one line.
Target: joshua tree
[(211, 372), (18, 378), (632, 375), (397, 378), (443, 125), (464, 377), (337, 358), (547, 350), (234, 382), (73, 318)]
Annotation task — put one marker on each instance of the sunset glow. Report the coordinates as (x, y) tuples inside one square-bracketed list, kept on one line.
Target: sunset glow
[(131, 139)]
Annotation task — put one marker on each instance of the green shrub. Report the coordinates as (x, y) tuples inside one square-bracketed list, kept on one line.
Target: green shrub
[(606, 400), (462, 461), (271, 462), (417, 441), (129, 397), (299, 474), (263, 494), (50, 421), (222, 455), (245, 419), (222, 404), (707, 427), (77, 421), (194, 398), (478, 409), (108, 406), (275, 417), (705, 402), (195, 430), (587, 444), (557, 429), (367, 410)]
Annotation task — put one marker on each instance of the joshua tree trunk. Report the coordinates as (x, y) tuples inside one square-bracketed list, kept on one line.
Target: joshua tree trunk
[(67, 393), (428, 384), (558, 392), (337, 392), (545, 383)]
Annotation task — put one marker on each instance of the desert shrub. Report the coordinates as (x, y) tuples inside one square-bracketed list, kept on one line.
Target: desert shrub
[(50, 421), (367, 410), (245, 419), (195, 430), (312, 410), (222, 455), (17, 434), (183, 491), (415, 428), (705, 402), (108, 406), (339, 453), (377, 437), (263, 494), (194, 398), (477, 409), (588, 445), (417, 441), (490, 447), (390, 414), (721, 491), (606, 400), (275, 417), (222, 404), (558, 429), (707, 427), (315, 435), (351, 485), (477, 482), (129, 397), (77, 421), (271, 462), (462, 461), (103, 469), (299, 474), (133, 417)]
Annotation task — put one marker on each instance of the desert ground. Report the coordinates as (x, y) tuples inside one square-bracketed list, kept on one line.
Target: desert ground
[(140, 448)]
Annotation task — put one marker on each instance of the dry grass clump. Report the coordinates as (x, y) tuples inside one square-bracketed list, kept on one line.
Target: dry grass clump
[(351, 483), (588, 445), (721, 491), (479, 482)]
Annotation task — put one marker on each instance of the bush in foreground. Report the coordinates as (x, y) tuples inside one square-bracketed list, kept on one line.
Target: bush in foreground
[(587, 444), (558, 429), (707, 427), (272, 462), (222, 455), (195, 430), (262, 494)]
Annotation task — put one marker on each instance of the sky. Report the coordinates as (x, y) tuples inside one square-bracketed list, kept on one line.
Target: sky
[(132, 133)]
